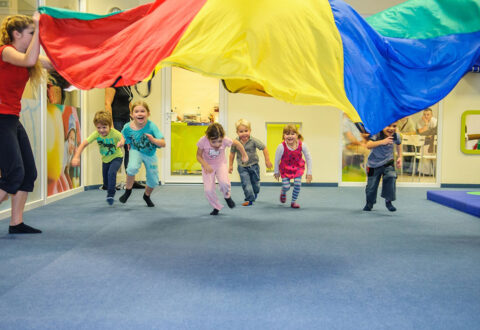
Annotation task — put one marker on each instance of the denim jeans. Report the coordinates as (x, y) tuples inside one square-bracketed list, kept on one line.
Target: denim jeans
[(110, 175), (250, 176), (389, 175)]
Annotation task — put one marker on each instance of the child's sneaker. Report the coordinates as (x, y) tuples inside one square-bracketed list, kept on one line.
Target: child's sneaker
[(283, 197), (247, 203), (390, 206), (110, 200), (368, 207), (230, 202), (295, 205)]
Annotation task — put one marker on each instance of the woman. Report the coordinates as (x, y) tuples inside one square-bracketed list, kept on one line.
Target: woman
[(19, 62)]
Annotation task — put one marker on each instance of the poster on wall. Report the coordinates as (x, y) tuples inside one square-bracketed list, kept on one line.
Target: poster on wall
[(63, 138), (470, 132)]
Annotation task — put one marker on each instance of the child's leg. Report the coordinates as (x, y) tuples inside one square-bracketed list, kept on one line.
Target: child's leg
[(134, 164), (113, 167), (151, 168), (389, 183), (105, 167), (209, 188), (255, 179), (285, 188), (221, 172), (246, 183), (297, 183), (374, 175)]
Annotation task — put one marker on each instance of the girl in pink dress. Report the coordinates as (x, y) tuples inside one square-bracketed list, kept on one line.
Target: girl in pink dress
[(211, 155), (289, 163)]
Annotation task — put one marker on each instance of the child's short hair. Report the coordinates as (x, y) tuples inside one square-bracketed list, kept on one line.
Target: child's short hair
[(103, 117), (215, 131), (243, 122), (292, 128), (137, 103)]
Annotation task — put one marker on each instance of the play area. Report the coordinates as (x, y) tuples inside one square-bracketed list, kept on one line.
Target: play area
[(239, 164)]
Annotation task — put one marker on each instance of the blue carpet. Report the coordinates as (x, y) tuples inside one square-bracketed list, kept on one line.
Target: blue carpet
[(460, 200), (328, 265)]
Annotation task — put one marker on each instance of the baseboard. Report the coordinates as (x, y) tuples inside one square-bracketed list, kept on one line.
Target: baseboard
[(275, 184), (97, 186)]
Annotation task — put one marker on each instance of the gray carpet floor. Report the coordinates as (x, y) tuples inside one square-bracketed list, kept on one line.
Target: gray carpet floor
[(328, 265)]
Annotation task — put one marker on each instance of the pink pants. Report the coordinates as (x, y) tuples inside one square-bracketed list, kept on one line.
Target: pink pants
[(221, 172)]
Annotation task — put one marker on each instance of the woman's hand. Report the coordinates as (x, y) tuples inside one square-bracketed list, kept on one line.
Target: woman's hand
[(276, 176), (36, 18)]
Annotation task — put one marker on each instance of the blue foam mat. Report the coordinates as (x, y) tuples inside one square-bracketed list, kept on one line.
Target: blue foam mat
[(459, 200)]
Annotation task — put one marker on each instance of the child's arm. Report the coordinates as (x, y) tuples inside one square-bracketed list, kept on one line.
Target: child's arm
[(268, 163), (373, 144), (308, 159), (230, 163), (76, 157), (240, 148), (202, 161), (121, 143), (278, 158), (399, 155), (158, 142)]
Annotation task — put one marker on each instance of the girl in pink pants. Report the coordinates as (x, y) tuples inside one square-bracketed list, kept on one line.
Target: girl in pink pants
[(211, 155)]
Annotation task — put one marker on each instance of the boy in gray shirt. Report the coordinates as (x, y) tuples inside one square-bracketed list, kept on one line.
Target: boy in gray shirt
[(250, 171), (381, 164)]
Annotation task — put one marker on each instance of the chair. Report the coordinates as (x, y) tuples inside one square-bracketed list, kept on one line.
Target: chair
[(417, 142), (423, 156)]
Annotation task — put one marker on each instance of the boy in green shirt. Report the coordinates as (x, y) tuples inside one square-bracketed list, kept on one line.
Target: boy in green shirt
[(109, 141)]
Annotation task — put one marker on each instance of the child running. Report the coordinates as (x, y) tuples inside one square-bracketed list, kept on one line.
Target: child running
[(211, 155), (381, 164), (289, 163), (250, 171), (144, 138), (109, 142)]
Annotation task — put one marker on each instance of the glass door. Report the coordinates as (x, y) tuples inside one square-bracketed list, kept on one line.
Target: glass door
[(190, 103), (419, 142)]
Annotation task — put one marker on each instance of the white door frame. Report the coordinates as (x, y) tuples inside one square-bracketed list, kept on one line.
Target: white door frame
[(167, 177)]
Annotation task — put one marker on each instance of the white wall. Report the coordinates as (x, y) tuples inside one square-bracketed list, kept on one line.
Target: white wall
[(321, 127), (457, 167)]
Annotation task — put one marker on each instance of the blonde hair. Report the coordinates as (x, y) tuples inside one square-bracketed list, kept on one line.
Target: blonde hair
[(215, 131), (135, 104), (243, 122), (291, 128), (103, 118), (19, 23)]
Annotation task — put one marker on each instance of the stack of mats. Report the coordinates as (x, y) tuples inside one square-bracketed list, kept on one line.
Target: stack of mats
[(465, 201)]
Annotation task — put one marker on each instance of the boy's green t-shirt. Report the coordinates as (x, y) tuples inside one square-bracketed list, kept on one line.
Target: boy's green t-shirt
[(107, 144)]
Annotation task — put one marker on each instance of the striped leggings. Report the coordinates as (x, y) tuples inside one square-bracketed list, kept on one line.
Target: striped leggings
[(297, 183)]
